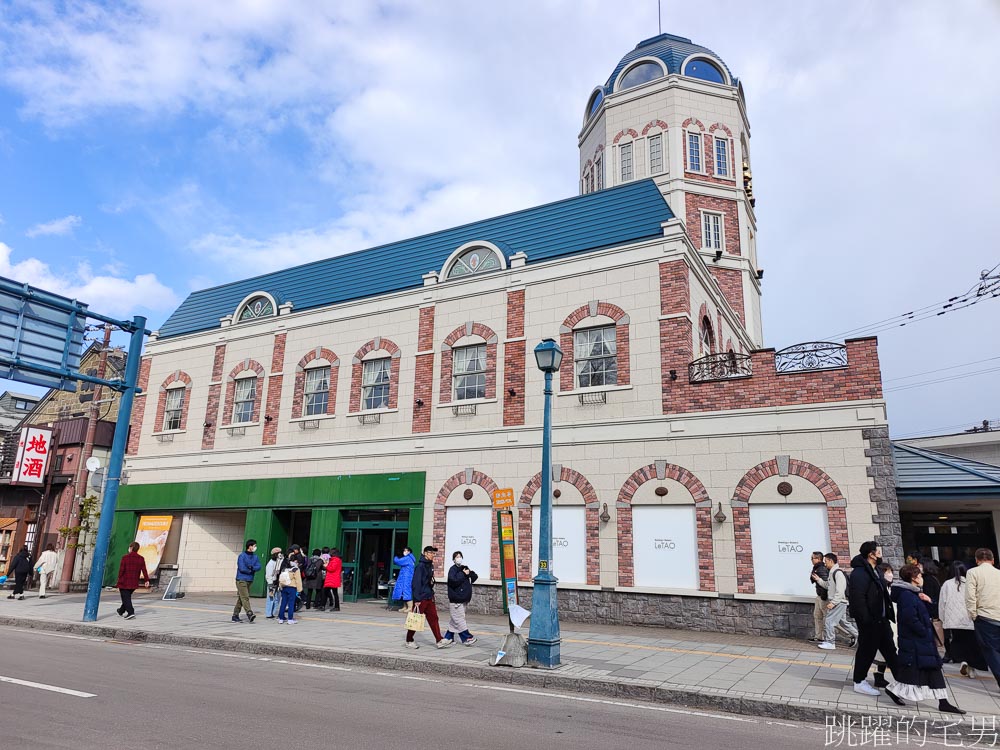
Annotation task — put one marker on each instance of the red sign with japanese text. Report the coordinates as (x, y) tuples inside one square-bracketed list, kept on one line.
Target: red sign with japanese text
[(32, 459)]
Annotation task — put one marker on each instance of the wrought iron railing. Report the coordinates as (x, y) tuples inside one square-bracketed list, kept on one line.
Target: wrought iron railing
[(811, 356), (727, 366)]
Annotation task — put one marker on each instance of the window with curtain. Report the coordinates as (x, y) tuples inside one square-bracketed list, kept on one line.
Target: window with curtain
[(316, 391), (595, 355), (375, 383)]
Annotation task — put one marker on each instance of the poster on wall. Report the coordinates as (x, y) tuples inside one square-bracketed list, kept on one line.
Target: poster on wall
[(468, 530), (32, 459), (152, 537), (665, 546), (569, 549), (784, 537)]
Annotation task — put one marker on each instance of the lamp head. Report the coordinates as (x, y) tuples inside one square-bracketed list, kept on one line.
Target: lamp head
[(548, 356)]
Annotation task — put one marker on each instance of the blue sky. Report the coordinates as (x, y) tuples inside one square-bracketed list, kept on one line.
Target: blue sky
[(149, 148)]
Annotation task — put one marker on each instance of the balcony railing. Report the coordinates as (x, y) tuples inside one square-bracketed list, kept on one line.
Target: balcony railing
[(811, 356), (728, 366)]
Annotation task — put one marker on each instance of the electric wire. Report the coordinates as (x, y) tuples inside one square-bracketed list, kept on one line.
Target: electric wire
[(942, 369), (910, 386)]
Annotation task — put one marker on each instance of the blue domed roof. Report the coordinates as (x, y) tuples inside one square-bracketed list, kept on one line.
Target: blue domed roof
[(672, 50)]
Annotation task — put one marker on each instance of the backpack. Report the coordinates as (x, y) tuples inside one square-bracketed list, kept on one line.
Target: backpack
[(313, 568)]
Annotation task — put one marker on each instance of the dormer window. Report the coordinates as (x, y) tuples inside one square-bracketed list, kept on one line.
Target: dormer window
[(706, 71), (475, 258), (641, 73), (256, 307)]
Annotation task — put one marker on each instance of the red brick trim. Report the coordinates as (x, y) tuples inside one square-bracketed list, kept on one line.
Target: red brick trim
[(214, 399), (695, 204), (730, 280), (139, 408), (592, 522), (623, 133), (477, 330), (567, 373), (244, 366), (423, 373), (705, 317), (693, 121), (514, 361), (375, 345), (441, 517), (835, 509), (177, 376), (272, 412), (298, 394), (703, 521), (654, 124)]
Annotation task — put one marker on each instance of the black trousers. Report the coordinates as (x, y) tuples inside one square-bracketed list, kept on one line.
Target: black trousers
[(331, 597), (126, 608), (19, 580), (872, 638), (314, 597)]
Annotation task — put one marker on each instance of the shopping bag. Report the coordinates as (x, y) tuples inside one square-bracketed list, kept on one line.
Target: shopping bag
[(3, 580), (416, 621)]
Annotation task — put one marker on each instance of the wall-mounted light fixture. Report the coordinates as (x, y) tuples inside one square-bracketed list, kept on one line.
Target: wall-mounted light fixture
[(720, 516), (673, 374), (605, 516), (718, 256), (268, 418), (760, 274), (419, 402), (207, 424), (511, 392)]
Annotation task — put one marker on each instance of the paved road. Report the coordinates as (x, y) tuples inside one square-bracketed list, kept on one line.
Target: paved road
[(165, 697)]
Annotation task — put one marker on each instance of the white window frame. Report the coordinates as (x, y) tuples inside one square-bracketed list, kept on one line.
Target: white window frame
[(458, 386), (599, 169), (728, 174), (309, 390), (173, 414), (622, 161), (689, 134), (580, 360), (654, 169), (248, 398), (371, 380), (713, 230), (706, 336)]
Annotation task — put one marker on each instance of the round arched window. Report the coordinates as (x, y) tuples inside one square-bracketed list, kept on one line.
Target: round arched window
[(704, 70), (476, 260), (642, 73), (257, 307), (595, 103)]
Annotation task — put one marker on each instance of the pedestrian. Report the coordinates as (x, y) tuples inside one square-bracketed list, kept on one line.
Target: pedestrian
[(982, 601), (818, 576), (879, 677), (960, 633), (917, 675), (315, 577), (296, 555), (288, 581), (460, 580), (46, 567), (20, 566), (403, 590), (932, 587), (331, 584), (423, 597), (872, 610), (247, 565), (836, 605), (131, 567), (271, 578)]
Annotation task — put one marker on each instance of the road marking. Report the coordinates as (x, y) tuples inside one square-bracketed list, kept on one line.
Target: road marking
[(50, 688), (32, 631)]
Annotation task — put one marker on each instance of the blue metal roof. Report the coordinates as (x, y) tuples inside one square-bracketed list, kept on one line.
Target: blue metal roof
[(920, 472), (606, 218), (672, 50)]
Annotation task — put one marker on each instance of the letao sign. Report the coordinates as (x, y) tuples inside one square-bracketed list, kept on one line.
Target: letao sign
[(503, 498), (152, 536), (32, 458)]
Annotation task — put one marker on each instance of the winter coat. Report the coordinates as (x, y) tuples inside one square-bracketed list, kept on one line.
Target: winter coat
[(271, 570), (460, 585), (291, 564), (951, 605), (404, 579), (47, 561), (932, 587), (21, 563), (821, 585), (837, 585), (247, 565), (916, 634), (131, 569), (869, 600), (334, 574), (423, 580), (317, 582)]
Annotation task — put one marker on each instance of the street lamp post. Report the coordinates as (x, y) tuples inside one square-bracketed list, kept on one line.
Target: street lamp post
[(543, 636)]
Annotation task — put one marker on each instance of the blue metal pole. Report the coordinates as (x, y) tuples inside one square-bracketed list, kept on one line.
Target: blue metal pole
[(544, 643), (96, 581)]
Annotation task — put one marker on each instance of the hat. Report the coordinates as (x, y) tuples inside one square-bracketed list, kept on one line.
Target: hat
[(276, 551), (429, 548)]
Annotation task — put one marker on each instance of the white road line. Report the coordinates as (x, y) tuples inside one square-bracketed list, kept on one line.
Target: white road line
[(58, 635), (50, 688)]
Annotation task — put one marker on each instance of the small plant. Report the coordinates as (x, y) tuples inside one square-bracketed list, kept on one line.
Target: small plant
[(89, 516)]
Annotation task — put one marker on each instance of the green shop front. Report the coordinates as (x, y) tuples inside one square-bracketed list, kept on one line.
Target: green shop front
[(370, 518)]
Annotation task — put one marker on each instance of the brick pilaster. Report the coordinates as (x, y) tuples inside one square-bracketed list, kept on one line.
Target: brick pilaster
[(273, 403), (214, 397), (423, 378), (138, 407), (514, 361)]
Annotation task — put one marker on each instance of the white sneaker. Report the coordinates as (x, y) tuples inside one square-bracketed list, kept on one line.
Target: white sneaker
[(826, 645), (864, 688), (411, 644), (445, 643)]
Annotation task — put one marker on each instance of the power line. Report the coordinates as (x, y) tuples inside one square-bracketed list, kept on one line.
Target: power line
[(940, 380), (928, 431), (942, 369)]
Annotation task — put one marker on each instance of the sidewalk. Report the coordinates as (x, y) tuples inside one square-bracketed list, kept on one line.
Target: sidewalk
[(752, 675)]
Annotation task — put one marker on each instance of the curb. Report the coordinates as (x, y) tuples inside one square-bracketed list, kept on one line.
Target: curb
[(694, 698)]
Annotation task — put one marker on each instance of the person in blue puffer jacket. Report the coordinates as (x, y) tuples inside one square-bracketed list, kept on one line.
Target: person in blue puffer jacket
[(403, 590), (247, 565)]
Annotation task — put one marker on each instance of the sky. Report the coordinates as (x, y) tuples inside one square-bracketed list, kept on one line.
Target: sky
[(148, 149)]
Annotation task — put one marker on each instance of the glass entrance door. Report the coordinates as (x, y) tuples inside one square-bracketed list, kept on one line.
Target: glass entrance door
[(371, 540)]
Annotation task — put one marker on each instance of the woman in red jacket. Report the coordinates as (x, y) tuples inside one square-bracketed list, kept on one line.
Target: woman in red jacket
[(331, 585), (132, 565)]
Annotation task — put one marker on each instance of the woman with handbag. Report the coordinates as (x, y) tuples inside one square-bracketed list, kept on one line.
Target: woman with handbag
[(271, 572), (288, 577), (963, 647)]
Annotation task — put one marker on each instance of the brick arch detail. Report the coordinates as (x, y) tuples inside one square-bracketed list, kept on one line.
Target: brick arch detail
[(298, 394), (375, 345), (178, 376), (703, 315), (623, 133), (592, 523), (693, 121), (462, 479), (703, 521), (836, 510), (479, 330), (247, 365), (589, 163), (720, 126), (567, 374), (654, 124)]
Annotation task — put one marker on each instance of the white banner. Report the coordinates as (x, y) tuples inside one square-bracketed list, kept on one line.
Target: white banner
[(665, 546), (784, 537), (32, 459), (467, 530), (569, 549)]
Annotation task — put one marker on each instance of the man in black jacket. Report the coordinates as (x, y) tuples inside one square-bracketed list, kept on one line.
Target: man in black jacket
[(20, 566), (871, 609), (423, 598), (460, 580)]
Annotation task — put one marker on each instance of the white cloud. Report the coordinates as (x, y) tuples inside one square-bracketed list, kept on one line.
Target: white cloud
[(107, 294), (55, 228)]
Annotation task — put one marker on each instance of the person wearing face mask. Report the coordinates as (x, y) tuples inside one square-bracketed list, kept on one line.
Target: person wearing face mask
[(872, 610), (460, 580), (403, 591), (247, 565), (271, 576)]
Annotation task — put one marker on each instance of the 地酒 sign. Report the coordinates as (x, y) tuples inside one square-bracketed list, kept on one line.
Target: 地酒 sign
[(503, 498), (32, 458)]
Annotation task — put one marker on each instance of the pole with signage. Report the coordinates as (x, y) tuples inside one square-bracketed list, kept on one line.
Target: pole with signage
[(503, 502)]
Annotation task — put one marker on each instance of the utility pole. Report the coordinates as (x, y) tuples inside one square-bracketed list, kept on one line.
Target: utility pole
[(69, 561)]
